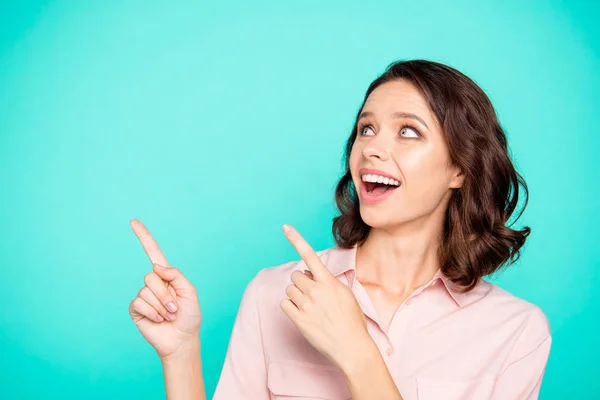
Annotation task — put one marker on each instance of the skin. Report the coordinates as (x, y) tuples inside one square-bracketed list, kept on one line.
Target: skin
[(175, 336), (399, 255)]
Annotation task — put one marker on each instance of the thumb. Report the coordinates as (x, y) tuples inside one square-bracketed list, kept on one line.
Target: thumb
[(174, 278)]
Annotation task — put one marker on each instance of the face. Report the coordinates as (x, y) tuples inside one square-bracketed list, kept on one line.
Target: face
[(399, 138)]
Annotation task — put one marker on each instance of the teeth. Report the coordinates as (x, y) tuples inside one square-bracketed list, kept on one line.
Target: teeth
[(380, 179)]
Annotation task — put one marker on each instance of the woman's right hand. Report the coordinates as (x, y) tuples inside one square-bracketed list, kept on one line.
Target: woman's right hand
[(166, 310)]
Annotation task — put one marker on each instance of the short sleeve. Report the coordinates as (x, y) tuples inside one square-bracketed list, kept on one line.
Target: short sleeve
[(521, 378), (244, 373)]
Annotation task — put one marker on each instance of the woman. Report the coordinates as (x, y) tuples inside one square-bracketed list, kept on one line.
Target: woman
[(398, 309)]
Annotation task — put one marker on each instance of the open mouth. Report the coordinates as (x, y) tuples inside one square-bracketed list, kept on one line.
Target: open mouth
[(376, 188)]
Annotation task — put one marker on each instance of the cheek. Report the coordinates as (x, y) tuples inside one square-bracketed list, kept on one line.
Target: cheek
[(355, 156), (424, 171)]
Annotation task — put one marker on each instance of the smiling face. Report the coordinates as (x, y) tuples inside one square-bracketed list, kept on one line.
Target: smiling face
[(398, 137)]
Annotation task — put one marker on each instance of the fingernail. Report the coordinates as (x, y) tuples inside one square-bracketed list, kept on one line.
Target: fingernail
[(171, 317), (159, 318), (163, 267), (171, 306), (286, 228)]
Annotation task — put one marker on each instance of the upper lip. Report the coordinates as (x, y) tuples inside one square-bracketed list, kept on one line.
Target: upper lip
[(370, 171)]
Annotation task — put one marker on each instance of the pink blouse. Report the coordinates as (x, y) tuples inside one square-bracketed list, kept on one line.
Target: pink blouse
[(485, 344)]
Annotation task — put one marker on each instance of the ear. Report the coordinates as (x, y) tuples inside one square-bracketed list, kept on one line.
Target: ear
[(457, 179)]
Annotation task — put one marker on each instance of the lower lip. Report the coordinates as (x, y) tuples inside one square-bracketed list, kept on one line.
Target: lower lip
[(369, 198)]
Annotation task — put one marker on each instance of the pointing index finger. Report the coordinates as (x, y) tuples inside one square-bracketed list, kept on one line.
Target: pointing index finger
[(310, 257), (151, 248)]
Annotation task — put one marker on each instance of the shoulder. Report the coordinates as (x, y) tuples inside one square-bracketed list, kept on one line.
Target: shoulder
[(533, 326), (504, 300)]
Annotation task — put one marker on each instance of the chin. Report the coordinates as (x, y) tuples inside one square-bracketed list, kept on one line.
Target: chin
[(379, 218)]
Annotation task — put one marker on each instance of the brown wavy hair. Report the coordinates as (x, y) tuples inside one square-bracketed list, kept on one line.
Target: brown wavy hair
[(477, 240)]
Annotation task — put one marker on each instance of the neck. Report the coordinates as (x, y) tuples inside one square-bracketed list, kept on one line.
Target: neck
[(402, 258)]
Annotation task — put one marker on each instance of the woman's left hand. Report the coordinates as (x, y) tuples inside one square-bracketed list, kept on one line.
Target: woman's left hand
[(324, 309)]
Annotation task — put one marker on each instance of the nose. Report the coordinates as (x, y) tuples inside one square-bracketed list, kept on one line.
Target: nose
[(377, 150)]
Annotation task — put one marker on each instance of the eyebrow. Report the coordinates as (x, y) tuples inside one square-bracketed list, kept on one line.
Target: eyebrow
[(399, 114)]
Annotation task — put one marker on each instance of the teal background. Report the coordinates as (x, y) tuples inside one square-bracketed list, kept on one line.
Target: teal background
[(216, 123)]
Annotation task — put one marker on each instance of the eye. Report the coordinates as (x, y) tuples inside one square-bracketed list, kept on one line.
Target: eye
[(361, 130), (409, 132)]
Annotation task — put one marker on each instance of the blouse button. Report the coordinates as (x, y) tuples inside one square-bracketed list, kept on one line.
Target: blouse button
[(389, 351)]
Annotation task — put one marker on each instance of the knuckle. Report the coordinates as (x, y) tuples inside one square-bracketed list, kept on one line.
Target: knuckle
[(148, 278), (288, 289), (152, 247), (312, 293), (283, 304), (306, 306), (136, 304), (144, 292), (295, 275)]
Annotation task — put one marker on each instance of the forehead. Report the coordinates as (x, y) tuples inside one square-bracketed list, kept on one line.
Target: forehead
[(398, 95)]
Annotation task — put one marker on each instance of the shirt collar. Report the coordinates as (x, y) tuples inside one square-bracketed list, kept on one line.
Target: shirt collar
[(340, 261)]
